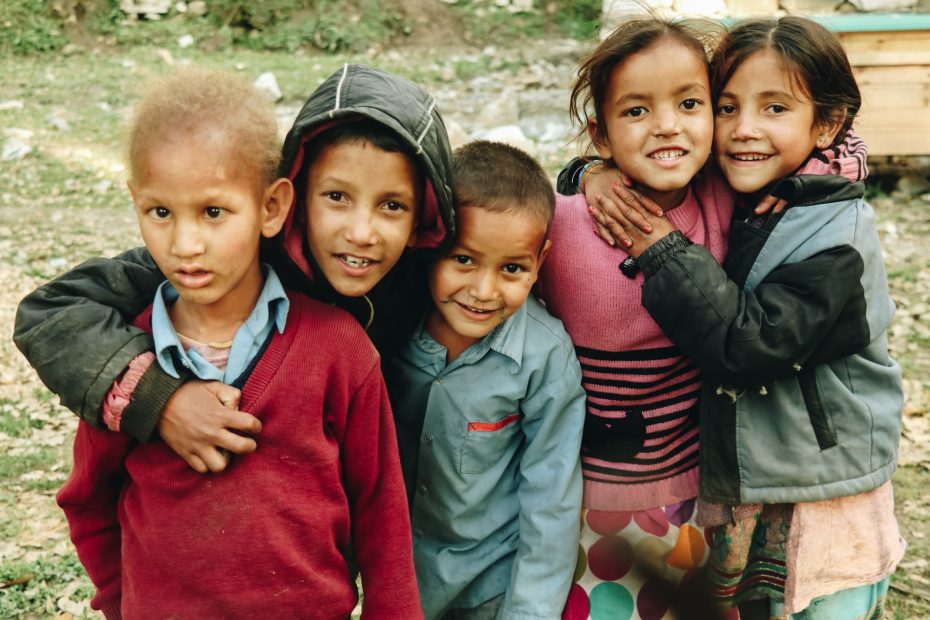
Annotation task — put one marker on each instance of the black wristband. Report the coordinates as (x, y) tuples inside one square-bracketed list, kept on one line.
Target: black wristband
[(654, 257)]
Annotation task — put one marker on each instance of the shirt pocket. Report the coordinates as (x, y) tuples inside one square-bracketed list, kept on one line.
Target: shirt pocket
[(486, 443)]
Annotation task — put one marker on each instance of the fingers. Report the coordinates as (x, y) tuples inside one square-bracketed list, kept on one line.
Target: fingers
[(640, 205), (615, 225), (770, 203), (235, 443), (226, 394), (215, 460)]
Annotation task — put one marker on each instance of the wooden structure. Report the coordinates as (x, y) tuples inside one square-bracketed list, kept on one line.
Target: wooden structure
[(890, 55)]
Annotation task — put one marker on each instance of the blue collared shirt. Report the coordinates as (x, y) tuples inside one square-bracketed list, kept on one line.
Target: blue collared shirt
[(490, 446), (270, 312)]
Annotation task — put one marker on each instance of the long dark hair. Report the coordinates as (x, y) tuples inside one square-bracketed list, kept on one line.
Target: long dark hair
[(811, 54)]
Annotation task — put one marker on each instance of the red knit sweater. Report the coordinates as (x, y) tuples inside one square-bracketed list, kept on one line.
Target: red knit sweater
[(268, 536)]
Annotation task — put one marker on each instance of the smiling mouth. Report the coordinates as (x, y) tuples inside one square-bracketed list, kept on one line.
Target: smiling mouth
[(668, 154), (479, 311), (355, 261), (749, 156)]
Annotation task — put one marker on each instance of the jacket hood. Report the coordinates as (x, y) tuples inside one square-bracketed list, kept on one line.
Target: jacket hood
[(357, 91)]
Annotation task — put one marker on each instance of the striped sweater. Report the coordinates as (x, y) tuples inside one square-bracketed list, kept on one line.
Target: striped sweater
[(640, 442)]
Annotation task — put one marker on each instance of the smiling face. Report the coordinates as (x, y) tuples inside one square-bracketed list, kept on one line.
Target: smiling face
[(361, 213), (202, 215), (765, 127), (486, 276), (659, 119)]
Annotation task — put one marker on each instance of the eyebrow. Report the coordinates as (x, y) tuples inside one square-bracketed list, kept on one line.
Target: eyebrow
[(766, 94), (678, 91)]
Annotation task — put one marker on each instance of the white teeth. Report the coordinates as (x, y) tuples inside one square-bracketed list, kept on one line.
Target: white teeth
[(750, 157), (353, 261), (667, 154)]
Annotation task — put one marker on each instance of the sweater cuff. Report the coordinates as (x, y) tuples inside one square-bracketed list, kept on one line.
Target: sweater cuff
[(155, 388), (655, 256), (112, 610)]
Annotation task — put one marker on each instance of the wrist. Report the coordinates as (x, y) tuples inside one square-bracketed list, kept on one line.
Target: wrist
[(588, 168), (655, 256), (155, 389)]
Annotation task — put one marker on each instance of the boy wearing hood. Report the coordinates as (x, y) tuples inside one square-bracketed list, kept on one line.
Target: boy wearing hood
[(370, 262)]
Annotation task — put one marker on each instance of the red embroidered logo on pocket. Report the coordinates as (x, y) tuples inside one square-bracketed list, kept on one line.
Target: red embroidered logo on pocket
[(490, 427)]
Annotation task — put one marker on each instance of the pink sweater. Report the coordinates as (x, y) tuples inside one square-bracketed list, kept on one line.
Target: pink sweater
[(640, 440)]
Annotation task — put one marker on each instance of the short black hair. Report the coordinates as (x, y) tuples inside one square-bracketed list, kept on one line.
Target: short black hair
[(500, 177)]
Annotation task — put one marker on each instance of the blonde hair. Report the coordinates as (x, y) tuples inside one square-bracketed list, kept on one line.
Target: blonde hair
[(195, 99)]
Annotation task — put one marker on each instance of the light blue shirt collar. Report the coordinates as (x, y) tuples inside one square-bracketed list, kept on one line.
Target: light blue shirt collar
[(506, 339), (270, 312)]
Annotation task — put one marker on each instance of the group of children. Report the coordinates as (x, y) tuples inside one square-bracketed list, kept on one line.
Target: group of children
[(751, 344)]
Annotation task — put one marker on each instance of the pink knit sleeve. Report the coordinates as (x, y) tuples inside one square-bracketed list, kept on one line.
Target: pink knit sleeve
[(120, 393), (848, 159)]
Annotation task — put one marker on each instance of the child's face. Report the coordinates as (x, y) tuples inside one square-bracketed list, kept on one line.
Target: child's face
[(202, 217), (486, 276), (765, 125), (659, 119), (361, 213)]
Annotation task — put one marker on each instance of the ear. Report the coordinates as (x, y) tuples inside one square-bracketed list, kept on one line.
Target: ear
[(601, 146), (277, 204), (542, 254), (828, 129)]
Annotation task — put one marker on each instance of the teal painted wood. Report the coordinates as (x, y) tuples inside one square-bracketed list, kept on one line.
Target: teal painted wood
[(874, 22), (867, 22)]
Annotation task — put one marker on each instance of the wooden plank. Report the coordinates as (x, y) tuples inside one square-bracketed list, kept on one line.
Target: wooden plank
[(901, 142), (896, 95), (892, 75), (915, 119), (881, 59), (856, 42)]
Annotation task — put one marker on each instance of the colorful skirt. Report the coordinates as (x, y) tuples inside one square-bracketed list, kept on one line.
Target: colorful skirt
[(639, 565)]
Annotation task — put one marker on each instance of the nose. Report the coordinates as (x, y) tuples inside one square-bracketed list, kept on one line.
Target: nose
[(187, 240), (484, 285), (667, 122), (360, 229), (744, 127)]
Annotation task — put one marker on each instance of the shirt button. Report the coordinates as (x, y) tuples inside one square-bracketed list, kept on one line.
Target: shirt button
[(418, 533), (429, 438), (439, 381), (424, 490)]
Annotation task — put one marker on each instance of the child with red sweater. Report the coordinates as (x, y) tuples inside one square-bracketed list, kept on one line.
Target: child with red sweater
[(270, 535)]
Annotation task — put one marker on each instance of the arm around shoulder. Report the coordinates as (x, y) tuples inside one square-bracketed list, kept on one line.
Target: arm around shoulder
[(85, 315), (746, 338)]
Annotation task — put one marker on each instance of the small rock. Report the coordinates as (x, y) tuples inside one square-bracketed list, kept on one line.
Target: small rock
[(512, 135), (165, 56), (58, 122), (268, 83), (11, 104), (180, 7), (457, 134), (14, 149), (185, 40), (71, 49), (198, 8)]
